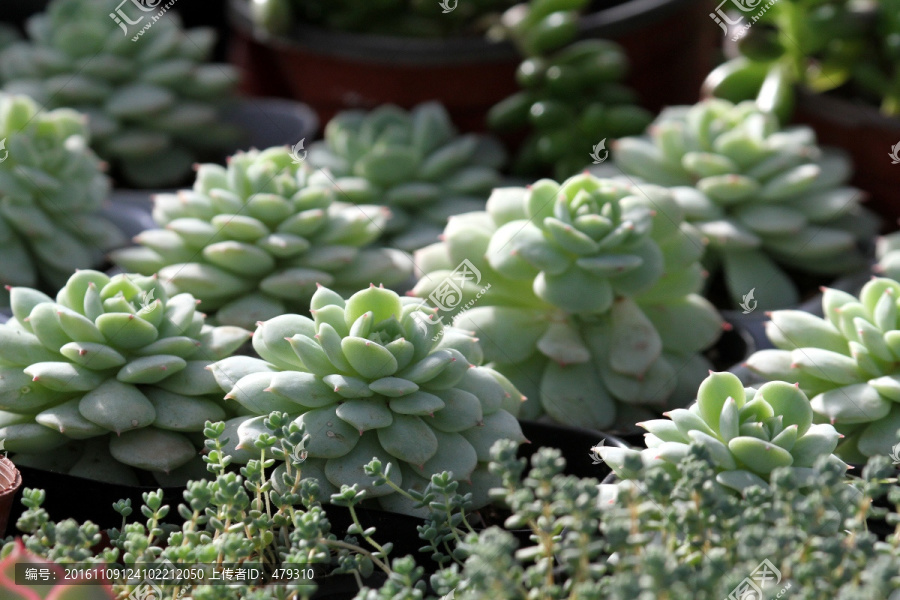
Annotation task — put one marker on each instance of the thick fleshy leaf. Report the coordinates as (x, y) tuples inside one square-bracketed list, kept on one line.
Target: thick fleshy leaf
[(759, 456), (330, 436), (574, 395), (152, 449), (409, 438), (117, 406), (365, 414), (177, 412), (348, 469)]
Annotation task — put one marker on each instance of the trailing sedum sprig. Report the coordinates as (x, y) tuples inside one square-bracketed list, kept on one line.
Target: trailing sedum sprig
[(747, 432), (252, 239), (591, 308), (412, 161), (848, 363), (766, 198), (374, 376), (153, 104), (51, 187), (114, 362)]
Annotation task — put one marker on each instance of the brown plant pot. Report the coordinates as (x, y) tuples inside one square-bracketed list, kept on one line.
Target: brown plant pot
[(868, 136), (10, 482), (667, 41)]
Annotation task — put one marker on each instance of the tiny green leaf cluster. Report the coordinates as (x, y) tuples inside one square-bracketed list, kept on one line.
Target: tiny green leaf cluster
[(846, 362), (253, 239), (51, 187), (375, 376), (411, 161), (592, 309), (153, 104), (767, 198), (572, 99), (115, 364), (747, 432)]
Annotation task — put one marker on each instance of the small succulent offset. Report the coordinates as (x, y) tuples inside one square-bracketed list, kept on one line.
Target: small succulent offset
[(412, 161), (375, 376), (252, 239), (51, 188), (153, 105), (848, 363), (748, 433), (104, 365), (592, 310), (571, 96), (766, 198)]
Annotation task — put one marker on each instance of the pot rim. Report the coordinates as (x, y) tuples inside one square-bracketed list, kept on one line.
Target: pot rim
[(392, 50), (850, 113)]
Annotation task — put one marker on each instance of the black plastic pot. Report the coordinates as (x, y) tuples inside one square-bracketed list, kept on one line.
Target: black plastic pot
[(85, 499), (668, 43)]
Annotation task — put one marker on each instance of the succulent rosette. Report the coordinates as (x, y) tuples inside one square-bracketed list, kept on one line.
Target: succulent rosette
[(379, 376), (747, 432), (583, 294), (116, 364), (51, 188), (412, 161), (846, 362), (153, 104), (767, 198), (252, 239)]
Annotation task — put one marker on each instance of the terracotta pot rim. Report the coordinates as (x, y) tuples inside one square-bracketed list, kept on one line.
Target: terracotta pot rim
[(852, 113), (624, 17)]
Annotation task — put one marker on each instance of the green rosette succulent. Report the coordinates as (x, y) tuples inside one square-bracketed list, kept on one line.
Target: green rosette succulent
[(51, 188), (116, 364), (153, 104), (583, 294), (887, 253), (252, 239), (412, 161), (848, 363), (747, 432), (374, 376), (766, 198)]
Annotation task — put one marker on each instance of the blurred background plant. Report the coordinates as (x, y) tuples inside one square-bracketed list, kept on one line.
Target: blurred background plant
[(572, 99)]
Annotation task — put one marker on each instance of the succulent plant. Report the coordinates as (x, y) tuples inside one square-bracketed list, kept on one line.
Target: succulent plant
[(115, 362), (405, 18), (414, 162), (375, 376), (846, 362), (887, 251), (51, 188), (253, 239), (819, 45), (766, 198), (748, 433), (153, 104), (585, 296), (572, 99)]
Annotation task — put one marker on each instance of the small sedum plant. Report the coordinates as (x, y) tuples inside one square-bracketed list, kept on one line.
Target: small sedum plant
[(411, 161), (586, 298), (153, 104), (51, 188), (767, 198), (374, 376), (114, 363), (253, 239), (747, 432), (846, 362), (572, 99)]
